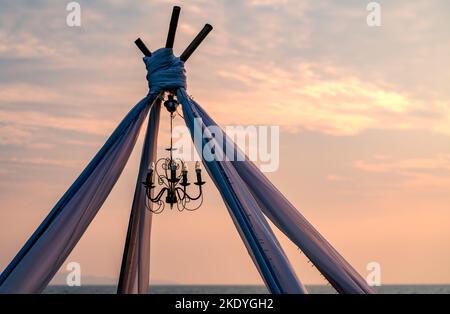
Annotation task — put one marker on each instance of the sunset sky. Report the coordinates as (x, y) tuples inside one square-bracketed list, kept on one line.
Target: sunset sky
[(364, 114)]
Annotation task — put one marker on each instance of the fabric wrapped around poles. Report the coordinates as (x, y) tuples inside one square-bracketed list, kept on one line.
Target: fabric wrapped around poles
[(341, 275), (256, 233), (46, 250), (135, 270), (164, 71)]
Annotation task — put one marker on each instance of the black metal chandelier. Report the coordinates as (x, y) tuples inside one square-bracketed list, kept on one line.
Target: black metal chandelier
[(172, 175)]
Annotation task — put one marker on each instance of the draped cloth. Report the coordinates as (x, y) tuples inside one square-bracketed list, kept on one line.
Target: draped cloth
[(341, 275), (248, 196), (262, 245), (46, 250), (135, 269)]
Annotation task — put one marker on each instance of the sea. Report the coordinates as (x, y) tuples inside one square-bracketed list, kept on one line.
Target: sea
[(241, 289)]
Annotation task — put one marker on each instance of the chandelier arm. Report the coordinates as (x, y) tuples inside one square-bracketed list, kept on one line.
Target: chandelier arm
[(160, 208), (166, 176), (198, 196), (178, 189), (178, 207), (158, 197), (181, 201), (162, 177), (198, 206), (148, 191), (162, 180)]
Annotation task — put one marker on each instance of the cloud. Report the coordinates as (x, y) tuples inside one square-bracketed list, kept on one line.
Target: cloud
[(14, 135), (325, 99), (388, 164), (28, 119), (30, 93), (270, 68), (41, 162), (414, 172), (337, 178), (24, 46), (268, 2)]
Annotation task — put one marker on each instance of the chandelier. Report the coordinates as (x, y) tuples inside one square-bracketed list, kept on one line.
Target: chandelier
[(172, 177)]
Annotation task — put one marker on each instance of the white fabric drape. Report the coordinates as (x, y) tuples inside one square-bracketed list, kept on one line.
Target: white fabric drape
[(135, 270), (341, 275), (262, 245), (46, 250)]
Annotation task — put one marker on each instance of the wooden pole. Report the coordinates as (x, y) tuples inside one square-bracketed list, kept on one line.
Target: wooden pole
[(196, 42)]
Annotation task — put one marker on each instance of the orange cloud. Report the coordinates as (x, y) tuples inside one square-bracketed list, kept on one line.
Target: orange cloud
[(415, 172), (36, 119), (340, 105)]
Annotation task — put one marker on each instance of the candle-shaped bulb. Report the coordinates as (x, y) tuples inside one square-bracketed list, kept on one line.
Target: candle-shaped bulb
[(173, 171), (149, 179), (198, 171), (184, 172)]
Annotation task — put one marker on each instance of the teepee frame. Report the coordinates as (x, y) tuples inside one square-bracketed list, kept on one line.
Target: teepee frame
[(127, 280)]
